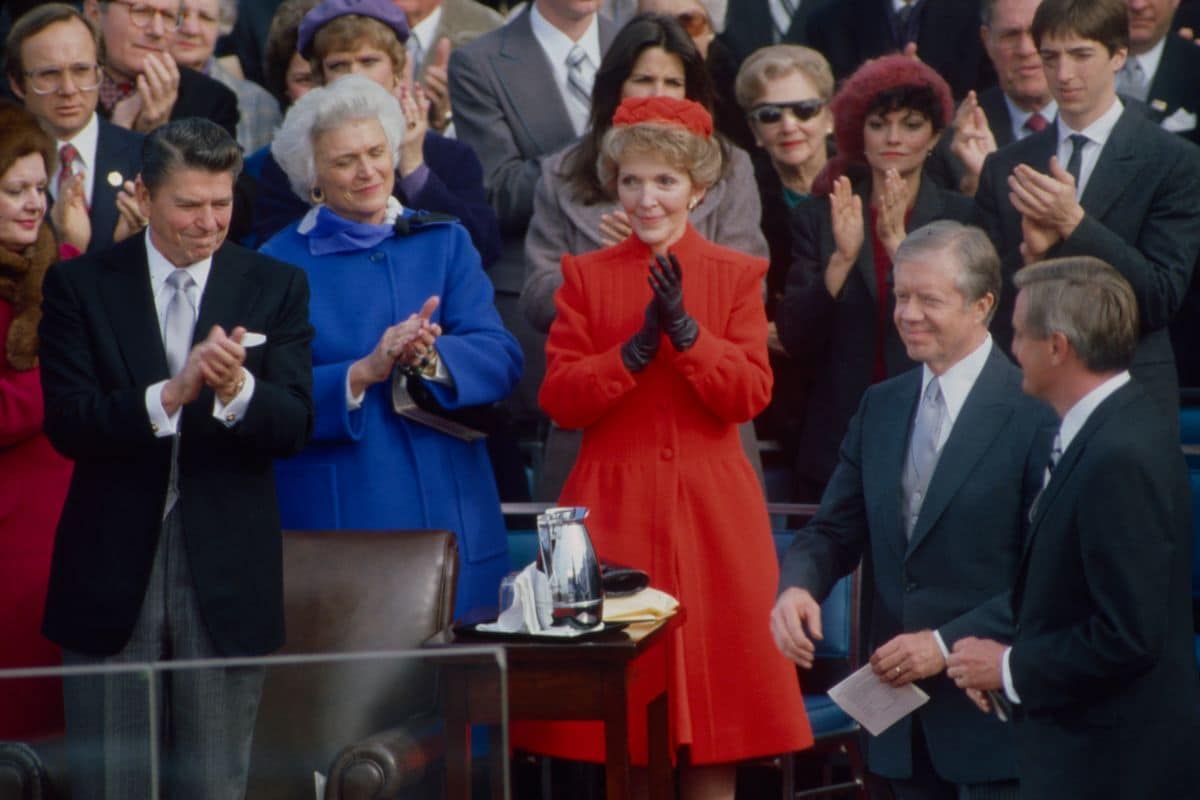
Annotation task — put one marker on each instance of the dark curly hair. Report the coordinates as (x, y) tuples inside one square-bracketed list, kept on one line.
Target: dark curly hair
[(881, 85), (639, 34)]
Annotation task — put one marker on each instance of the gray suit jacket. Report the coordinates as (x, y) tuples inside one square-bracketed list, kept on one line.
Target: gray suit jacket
[(956, 572), (463, 21), (508, 108), (729, 216)]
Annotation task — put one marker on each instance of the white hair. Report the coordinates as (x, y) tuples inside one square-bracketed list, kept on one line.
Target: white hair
[(348, 99)]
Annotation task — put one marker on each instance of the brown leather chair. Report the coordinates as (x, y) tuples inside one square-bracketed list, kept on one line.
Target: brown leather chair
[(370, 724)]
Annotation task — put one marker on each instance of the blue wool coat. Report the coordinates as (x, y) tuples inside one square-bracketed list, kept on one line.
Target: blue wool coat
[(369, 468)]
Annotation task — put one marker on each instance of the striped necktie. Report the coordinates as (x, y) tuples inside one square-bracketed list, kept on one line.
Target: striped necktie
[(579, 83)]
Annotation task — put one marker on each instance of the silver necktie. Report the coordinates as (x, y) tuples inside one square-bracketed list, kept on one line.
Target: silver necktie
[(577, 82), (179, 320), (1131, 80), (924, 448)]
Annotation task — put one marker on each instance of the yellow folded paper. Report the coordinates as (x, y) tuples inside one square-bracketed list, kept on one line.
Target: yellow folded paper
[(646, 605)]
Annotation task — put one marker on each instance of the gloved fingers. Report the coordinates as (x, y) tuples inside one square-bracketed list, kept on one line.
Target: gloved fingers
[(676, 269)]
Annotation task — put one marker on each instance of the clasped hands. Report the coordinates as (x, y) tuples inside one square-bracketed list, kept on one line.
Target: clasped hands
[(796, 623), (215, 362), (405, 344), (1047, 205), (665, 313)]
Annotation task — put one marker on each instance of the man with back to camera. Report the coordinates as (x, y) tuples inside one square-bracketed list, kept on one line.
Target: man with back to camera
[(931, 492), (1100, 672)]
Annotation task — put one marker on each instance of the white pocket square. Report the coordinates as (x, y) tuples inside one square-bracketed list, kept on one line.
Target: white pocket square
[(1182, 120)]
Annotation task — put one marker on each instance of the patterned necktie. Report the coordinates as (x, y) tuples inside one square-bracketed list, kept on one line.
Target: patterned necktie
[(1131, 80), (924, 448), (1036, 122), (782, 14), (1075, 162), (66, 166), (578, 84), (1056, 452), (179, 320)]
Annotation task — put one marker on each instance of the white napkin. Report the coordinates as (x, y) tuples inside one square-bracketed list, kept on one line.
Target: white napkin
[(531, 608), (1181, 121)]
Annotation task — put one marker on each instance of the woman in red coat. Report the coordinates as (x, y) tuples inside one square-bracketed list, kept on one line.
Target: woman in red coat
[(33, 477), (658, 351)]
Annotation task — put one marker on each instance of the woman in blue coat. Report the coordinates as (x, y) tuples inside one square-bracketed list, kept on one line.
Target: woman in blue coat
[(395, 294)]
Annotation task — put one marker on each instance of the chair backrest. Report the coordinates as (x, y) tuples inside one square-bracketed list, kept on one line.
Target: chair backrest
[(348, 591)]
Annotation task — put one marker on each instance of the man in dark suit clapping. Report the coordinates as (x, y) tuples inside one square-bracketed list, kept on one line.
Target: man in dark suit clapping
[(169, 545), (1100, 667), (932, 490)]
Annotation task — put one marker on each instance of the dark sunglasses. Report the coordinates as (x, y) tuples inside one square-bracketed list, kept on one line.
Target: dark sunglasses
[(770, 113), (694, 22)]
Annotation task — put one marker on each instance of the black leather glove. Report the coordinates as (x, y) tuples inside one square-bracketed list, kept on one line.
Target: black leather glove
[(666, 278), (642, 347)]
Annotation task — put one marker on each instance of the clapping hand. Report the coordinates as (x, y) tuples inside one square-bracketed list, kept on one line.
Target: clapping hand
[(972, 143), (666, 279), (70, 213), (614, 227), (1047, 200), (889, 222), (398, 345), (641, 348), (846, 217)]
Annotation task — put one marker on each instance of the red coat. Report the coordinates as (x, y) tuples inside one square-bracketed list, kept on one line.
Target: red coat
[(670, 489), (33, 485)]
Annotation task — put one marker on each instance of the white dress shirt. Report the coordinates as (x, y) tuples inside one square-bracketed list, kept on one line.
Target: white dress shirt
[(421, 35), (161, 423), (1072, 423), (557, 45), (85, 143), (1097, 134)]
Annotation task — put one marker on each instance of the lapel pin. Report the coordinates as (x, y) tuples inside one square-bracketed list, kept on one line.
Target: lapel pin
[(115, 180)]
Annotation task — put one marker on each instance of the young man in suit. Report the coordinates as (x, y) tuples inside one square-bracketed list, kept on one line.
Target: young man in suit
[(52, 63), (1103, 181), (932, 490), (169, 545), (1018, 106), (1100, 670), (142, 86)]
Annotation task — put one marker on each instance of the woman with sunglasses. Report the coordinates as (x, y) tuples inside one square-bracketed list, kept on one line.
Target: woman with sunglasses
[(573, 213), (835, 316)]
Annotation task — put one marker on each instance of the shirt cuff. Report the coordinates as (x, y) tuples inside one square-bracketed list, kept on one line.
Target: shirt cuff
[(1006, 675), (414, 182), (230, 415), (161, 423), (937, 637), (353, 402)]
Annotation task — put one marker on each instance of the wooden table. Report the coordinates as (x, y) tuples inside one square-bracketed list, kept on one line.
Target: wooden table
[(587, 680)]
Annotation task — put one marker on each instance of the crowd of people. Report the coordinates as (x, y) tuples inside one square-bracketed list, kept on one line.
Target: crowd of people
[(389, 262)]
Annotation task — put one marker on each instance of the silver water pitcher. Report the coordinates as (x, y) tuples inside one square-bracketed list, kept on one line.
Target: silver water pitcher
[(566, 556)]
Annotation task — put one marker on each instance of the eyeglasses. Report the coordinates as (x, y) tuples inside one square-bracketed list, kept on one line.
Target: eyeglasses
[(143, 15), (771, 113), (694, 22), (84, 77)]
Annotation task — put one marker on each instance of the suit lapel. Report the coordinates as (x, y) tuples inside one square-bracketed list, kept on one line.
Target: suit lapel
[(129, 304), (228, 295), (1115, 170), (979, 422), (887, 443), (526, 75)]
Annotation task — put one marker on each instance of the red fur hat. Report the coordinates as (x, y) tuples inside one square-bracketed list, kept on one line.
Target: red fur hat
[(857, 96), (667, 110)]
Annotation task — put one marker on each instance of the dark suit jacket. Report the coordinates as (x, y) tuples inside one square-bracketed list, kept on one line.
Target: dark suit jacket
[(750, 26), (943, 166), (117, 150), (1140, 204), (833, 340), (454, 186), (100, 348), (1175, 85), (1102, 658), (955, 574), (849, 32)]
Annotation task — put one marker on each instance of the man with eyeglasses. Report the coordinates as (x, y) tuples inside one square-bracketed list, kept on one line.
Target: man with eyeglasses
[(52, 67), (142, 87), (1019, 106)]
